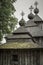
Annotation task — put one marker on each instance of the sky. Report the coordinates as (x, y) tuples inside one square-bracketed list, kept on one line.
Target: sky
[(23, 5)]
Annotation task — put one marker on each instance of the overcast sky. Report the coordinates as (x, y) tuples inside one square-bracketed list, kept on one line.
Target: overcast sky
[(23, 5)]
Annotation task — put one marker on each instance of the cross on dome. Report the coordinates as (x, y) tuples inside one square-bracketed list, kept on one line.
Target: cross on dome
[(22, 14), (36, 3), (31, 7), (31, 15), (22, 21), (36, 10)]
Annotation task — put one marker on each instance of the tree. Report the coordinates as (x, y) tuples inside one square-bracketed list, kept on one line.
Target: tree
[(7, 20)]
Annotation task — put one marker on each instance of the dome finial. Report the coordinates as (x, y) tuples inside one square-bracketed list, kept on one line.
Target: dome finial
[(22, 21), (22, 14), (36, 3), (31, 7)]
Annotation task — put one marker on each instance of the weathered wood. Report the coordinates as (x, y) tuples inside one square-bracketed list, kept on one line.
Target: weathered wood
[(25, 59), (30, 57), (38, 58), (34, 58), (41, 57), (22, 58)]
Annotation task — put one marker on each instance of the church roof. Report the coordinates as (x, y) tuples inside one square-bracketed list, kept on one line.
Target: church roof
[(37, 19), (16, 45), (30, 23), (38, 33), (33, 28), (20, 33), (14, 36), (35, 31), (21, 29), (33, 22)]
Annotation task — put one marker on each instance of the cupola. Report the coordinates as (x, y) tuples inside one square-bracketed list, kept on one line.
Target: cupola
[(36, 10), (31, 15), (22, 21)]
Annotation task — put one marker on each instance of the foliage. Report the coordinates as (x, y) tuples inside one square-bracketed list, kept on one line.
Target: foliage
[(7, 20)]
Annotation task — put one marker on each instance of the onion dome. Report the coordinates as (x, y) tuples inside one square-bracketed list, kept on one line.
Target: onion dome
[(22, 21), (31, 15), (36, 10)]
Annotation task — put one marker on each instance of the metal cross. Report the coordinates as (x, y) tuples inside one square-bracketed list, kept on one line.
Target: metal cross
[(31, 7), (22, 14), (36, 3)]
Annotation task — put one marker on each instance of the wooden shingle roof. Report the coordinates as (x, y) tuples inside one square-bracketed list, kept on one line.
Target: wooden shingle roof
[(21, 32), (21, 29), (15, 36), (33, 28), (38, 33), (37, 18), (35, 31), (30, 23), (16, 45)]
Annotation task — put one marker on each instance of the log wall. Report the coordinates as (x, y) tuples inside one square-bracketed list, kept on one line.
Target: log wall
[(25, 57)]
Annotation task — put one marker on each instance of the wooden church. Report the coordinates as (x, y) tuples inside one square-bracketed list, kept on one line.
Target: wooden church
[(25, 45)]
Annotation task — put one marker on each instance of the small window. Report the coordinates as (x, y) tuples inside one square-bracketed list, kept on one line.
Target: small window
[(15, 58)]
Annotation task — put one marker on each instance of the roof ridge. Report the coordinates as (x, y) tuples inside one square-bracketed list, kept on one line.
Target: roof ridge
[(37, 18)]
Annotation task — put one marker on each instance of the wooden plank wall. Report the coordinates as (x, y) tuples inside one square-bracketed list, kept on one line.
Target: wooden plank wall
[(41, 57), (4, 57), (30, 57), (25, 57)]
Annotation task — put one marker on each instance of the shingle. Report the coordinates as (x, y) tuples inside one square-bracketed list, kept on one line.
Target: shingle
[(18, 36), (21, 29), (30, 23), (21, 32), (17, 45), (37, 18), (38, 33), (35, 29)]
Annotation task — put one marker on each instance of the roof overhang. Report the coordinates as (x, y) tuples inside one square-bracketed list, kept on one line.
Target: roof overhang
[(16, 45)]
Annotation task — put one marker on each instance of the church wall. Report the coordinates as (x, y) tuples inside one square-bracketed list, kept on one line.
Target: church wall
[(33, 30), (42, 42), (22, 57), (4, 57), (41, 57), (39, 40)]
